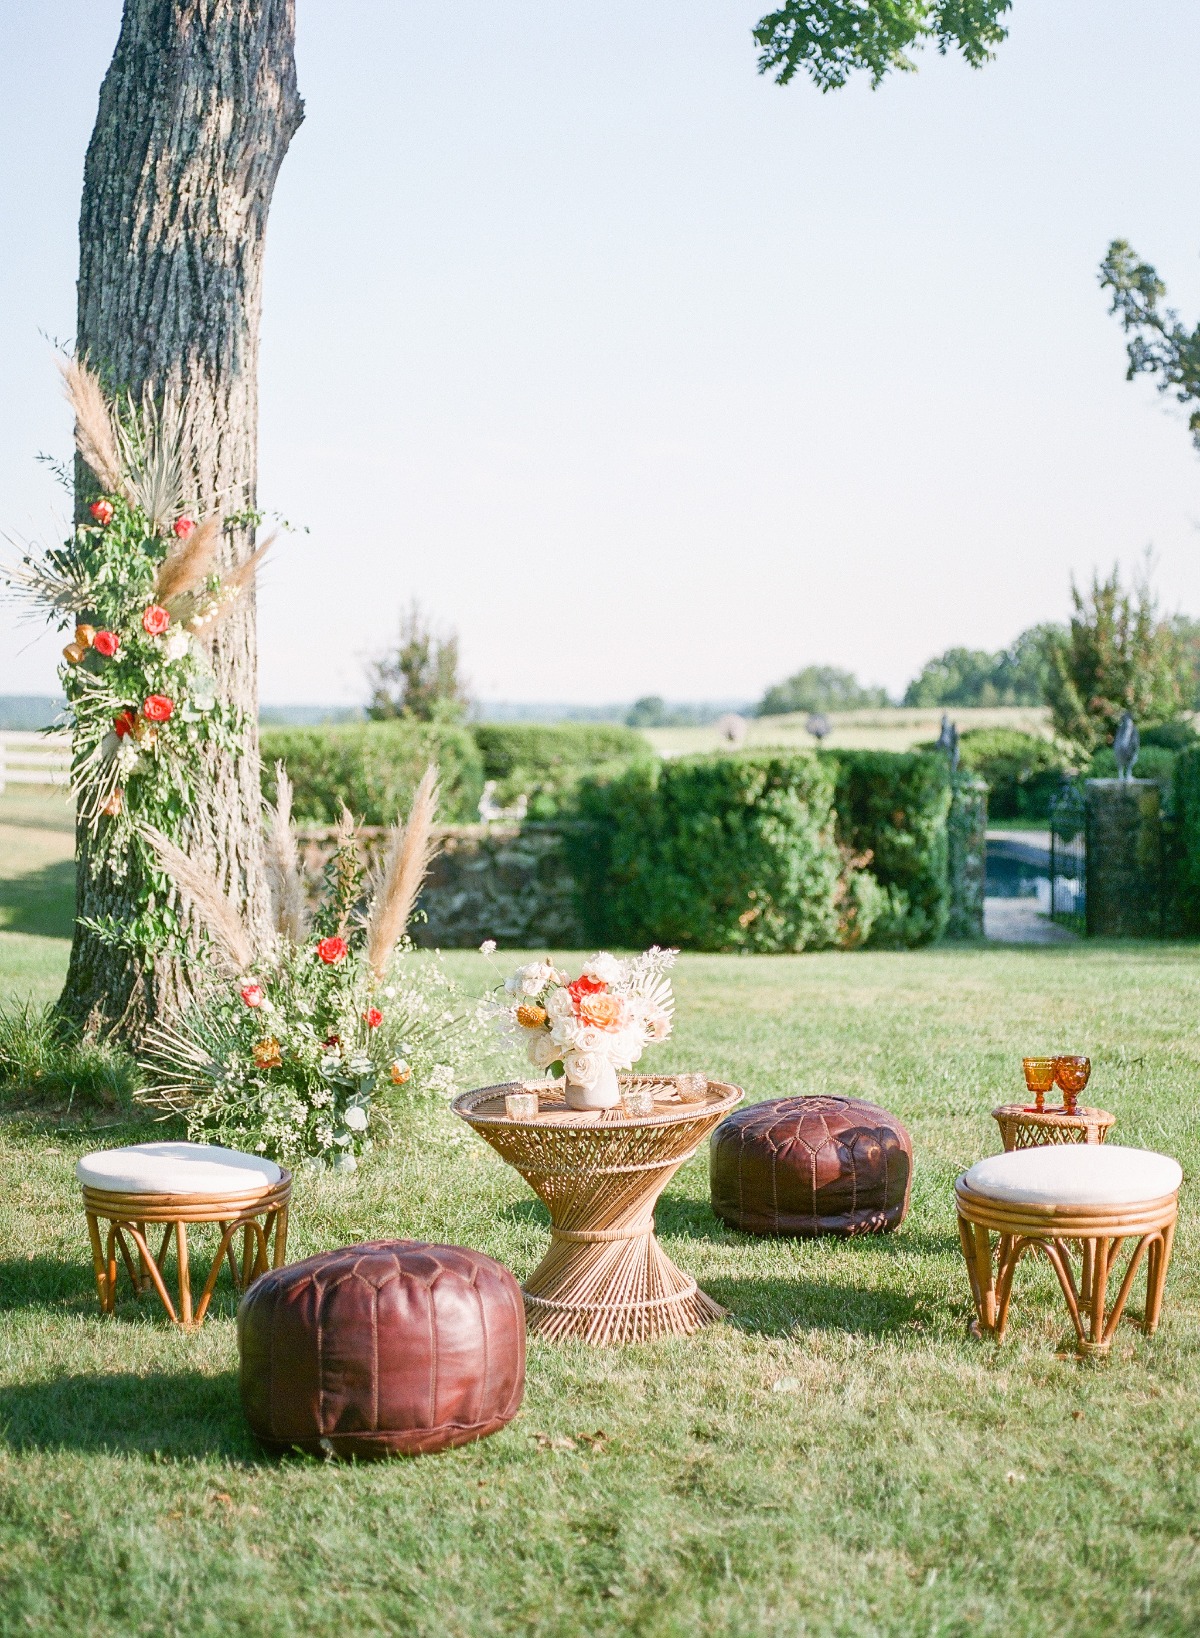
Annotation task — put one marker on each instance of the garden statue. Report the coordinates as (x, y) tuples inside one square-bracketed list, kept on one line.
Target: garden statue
[(948, 741), (818, 725), (1127, 743), (733, 729)]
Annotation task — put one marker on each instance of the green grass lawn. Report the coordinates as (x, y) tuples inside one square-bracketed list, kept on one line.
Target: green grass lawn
[(839, 1457)]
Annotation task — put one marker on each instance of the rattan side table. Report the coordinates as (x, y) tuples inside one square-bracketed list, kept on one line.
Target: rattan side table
[(1023, 1128), (605, 1278)]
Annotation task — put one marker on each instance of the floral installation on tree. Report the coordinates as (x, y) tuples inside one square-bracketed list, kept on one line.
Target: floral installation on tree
[(137, 581), (295, 1049), (600, 1021)]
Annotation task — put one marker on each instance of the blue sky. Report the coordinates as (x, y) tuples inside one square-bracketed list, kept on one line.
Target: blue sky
[(646, 374)]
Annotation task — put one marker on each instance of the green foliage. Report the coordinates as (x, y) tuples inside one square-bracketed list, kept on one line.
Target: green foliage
[(716, 853), (419, 681), (652, 711), (891, 812), (833, 39), (821, 688), (546, 764), (1016, 675), (1159, 344), (373, 769), (1022, 771), (42, 1060), (1117, 656), (1186, 873)]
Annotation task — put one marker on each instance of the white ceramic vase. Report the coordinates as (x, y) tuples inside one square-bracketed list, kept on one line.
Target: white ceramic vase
[(602, 1093)]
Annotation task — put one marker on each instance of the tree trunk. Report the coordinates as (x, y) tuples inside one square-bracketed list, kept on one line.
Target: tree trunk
[(196, 113)]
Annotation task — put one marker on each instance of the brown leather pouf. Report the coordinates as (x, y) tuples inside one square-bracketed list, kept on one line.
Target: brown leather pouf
[(392, 1347), (819, 1165)]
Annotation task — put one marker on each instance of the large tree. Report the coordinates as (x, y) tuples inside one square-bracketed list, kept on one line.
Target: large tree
[(1158, 343), (196, 113)]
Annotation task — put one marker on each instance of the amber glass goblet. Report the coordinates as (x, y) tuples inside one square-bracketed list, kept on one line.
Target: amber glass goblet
[(1039, 1077), (1072, 1076)]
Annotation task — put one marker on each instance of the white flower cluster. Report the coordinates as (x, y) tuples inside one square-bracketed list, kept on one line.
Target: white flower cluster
[(609, 1014)]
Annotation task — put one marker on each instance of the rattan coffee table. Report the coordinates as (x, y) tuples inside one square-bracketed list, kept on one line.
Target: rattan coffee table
[(1025, 1128), (605, 1278)]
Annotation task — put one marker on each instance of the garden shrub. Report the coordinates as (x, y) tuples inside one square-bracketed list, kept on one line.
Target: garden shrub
[(374, 768), (545, 764), (1184, 874), (718, 853), (1022, 771), (893, 806), (44, 1061)]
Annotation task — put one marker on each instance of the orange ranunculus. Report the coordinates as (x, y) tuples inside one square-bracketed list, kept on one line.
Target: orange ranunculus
[(267, 1054), (531, 1017), (601, 1011)]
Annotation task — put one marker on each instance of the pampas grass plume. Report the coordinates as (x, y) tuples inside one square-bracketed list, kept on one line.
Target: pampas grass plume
[(283, 864), (94, 437), (412, 851), (219, 914), (189, 562)]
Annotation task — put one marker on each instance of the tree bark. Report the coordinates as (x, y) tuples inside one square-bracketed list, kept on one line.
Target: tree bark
[(196, 113)]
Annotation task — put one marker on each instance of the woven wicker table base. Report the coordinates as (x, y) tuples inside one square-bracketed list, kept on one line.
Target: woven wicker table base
[(605, 1278), (130, 1216), (1096, 1234), (1024, 1128)]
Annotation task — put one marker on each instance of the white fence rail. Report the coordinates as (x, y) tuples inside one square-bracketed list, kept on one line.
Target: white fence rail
[(34, 759)]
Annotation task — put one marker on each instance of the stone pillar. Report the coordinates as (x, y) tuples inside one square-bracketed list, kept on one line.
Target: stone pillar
[(1124, 858), (966, 836)]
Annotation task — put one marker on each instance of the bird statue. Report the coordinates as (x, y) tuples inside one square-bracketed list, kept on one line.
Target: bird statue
[(948, 741), (1127, 742)]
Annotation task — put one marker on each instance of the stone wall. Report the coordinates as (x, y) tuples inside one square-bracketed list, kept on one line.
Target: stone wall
[(1124, 858), (510, 882)]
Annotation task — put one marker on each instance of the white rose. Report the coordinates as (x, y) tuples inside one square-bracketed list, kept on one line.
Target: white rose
[(565, 1031), (176, 643), (542, 1050), (356, 1118), (488, 947), (605, 967), (588, 1039), (559, 1005), (584, 1068)]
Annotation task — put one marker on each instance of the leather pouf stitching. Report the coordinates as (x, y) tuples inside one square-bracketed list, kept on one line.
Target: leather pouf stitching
[(808, 1166), (392, 1347)]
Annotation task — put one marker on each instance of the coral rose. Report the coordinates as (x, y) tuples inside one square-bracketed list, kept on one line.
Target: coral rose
[(400, 1072), (124, 724), (155, 620), (102, 511), (106, 643), (157, 708), (267, 1054), (332, 950), (602, 1011), (184, 528), (252, 995), (372, 1018)]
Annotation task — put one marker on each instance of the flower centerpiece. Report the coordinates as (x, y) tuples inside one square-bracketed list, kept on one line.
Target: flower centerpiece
[(291, 1050), (137, 585), (585, 1029)]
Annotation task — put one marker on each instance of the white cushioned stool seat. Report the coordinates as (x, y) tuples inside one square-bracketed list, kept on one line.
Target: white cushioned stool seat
[(1076, 1174), (176, 1168)]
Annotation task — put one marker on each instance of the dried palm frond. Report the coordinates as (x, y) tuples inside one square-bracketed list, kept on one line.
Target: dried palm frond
[(283, 864), (412, 851), (53, 580), (150, 445), (219, 913), (189, 562), (95, 437)]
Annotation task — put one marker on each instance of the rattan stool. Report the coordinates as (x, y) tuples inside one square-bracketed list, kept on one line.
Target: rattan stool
[(176, 1184), (1053, 1199)]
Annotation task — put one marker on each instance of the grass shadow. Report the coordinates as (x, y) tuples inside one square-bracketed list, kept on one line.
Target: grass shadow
[(182, 1414), (63, 1284), (40, 901), (783, 1307)]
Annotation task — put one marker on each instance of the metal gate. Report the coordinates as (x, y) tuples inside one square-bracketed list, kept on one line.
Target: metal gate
[(1068, 856)]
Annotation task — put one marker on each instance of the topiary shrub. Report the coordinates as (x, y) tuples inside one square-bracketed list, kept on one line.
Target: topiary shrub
[(892, 808), (545, 764), (374, 768), (1022, 771), (719, 853)]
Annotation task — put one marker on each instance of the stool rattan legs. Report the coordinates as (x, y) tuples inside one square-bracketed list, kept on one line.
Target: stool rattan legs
[(130, 1218), (1095, 1235)]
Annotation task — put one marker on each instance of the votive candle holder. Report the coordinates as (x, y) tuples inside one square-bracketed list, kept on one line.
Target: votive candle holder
[(692, 1088), (637, 1100), (520, 1105)]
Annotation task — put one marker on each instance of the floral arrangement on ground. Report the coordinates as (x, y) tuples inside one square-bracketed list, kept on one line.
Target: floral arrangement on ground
[(301, 1047), (138, 582)]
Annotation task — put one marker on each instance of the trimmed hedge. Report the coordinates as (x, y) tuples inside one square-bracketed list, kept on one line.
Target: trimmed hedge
[(545, 764), (1022, 771), (894, 805), (1184, 853), (374, 768), (718, 853)]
